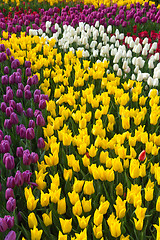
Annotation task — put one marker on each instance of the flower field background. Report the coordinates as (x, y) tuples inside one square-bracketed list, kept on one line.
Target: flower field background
[(79, 120)]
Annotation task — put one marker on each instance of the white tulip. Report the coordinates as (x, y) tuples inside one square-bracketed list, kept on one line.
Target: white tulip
[(40, 31), (48, 24), (117, 43), (97, 24), (125, 65), (47, 30), (127, 70), (121, 36), (150, 64), (95, 53), (155, 82), (150, 81), (56, 26), (129, 54), (136, 69), (87, 46), (144, 52), (111, 47), (87, 27), (101, 28), (140, 77), (113, 39), (93, 44), (115, 67), (119, 72), (84, 40), (99, 45), (156, 74), (104, 38), (137, 41), (131, 44), (133, 77), (109, 29), (134, 59), (156, 56), (126, 40)]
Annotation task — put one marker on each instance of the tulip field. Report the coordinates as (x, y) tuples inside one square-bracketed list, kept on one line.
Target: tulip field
[(79, 120)]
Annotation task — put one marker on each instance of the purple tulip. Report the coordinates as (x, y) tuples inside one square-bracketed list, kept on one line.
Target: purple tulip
[(10, 182), (19, 152), (9, 110), (20, 86), (27, 64), (3, 225), (19, 180), (3, 106), (19, 107), (31, 123), (22, 132), (29, 113), (12, 104), (27, 175), (42, 104), (30, 134), (40, 143), (40, 121), (11, 204), (37, 112), (4, 146), (11, 236), (9, 220), (27, 157), (19, 93), (34, 157), (2, 48), (8, 52), (14, 118), (27, 94), (7, 124), (28, 72), (4, 79), (8, 137), (9, 193), (9, 162)]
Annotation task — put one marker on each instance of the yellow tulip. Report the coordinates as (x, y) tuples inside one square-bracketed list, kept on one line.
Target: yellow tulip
[(32, 220), (61, 208), (36, 234), (47, 218), (83, 222), (66, 225)]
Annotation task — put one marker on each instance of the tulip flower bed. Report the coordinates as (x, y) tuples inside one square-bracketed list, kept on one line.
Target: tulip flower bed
[(79, 120)]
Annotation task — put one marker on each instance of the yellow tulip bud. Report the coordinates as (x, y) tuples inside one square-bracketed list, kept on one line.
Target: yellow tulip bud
[(36, 234), (67, 174), (98, 231), (103, 207), (98, 218), (32, 220), (73, 197), (119, 189), (32, 203), (114, 226), (78, 184), (88, 188), (47, 218), (83, 222), (77, 208), (44, 199), (138, 224), (86, 204), (66, 225), (61, 208)]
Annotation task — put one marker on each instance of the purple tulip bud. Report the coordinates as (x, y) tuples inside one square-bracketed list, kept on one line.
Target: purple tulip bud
[(36, 98), (40, 121), (27, 175), (19, 70), (19, 107), (9, 95), (11, 204), (3, 57), (2, 48), (11, 236), (27, 64), (9, 193), (31, 123), (40, 143), (9, 220), (19, 152), (37, 112), (3, 106), (15, 64), (29, 113), (19, 217), (4, 79), (28, 72), (14, 118), (27, 157), (19, 180), (22, 132), (34, 157), (29, 81), (9, 162), (20, 86), (4, 146), (42, 104), (27, 94), (8, 51), (30, 134), (35, 79), (3, 225), (8, 137), (12, 104), (10, 182), (7, 124), (9, 110), (6, 70), (19, 93)]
